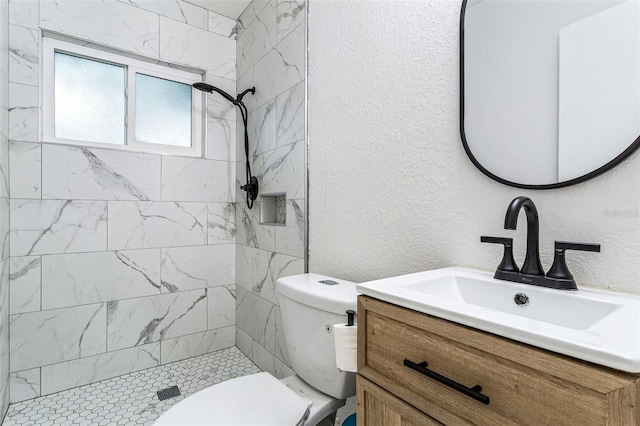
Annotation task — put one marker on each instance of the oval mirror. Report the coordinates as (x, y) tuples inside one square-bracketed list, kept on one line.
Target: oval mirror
[(550, 90)]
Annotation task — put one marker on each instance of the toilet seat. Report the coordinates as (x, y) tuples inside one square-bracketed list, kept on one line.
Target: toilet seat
[(257, 399)]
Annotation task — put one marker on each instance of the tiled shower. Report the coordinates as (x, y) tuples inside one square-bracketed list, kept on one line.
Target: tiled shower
[(113, 261)]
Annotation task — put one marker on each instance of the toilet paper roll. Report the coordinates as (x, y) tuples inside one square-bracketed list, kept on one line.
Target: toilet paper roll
[(346, 339)]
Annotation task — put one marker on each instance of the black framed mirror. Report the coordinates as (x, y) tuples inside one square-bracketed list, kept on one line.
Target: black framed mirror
[(549, 89)]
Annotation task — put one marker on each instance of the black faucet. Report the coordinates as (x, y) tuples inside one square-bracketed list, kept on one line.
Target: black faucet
[(531, 265), (558, 276)]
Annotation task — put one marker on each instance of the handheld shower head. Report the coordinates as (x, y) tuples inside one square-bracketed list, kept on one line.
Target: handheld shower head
[(252, 182), (210, 89), (203, 86)]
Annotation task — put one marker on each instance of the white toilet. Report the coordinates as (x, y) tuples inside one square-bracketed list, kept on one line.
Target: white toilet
[(310, 304)]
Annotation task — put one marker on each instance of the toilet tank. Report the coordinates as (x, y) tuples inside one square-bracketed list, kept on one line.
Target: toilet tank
[(310, 304)]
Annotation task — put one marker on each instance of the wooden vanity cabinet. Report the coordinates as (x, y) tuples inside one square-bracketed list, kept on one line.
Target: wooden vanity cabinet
[(520, 384)]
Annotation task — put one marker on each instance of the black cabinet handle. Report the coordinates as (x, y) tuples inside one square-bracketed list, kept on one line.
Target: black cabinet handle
[(473, 392)]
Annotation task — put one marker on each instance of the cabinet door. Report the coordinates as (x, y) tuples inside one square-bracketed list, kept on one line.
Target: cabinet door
[(377, 407)]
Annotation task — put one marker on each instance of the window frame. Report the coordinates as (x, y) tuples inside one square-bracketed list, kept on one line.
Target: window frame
[(132, 67)]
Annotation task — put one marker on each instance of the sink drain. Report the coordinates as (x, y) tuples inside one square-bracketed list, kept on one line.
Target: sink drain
[(521, 299)]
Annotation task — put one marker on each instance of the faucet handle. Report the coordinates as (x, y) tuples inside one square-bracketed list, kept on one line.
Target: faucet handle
[(559, 270), (560, 245), (508, 263)]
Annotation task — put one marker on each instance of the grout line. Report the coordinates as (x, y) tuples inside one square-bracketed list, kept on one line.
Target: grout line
[(206, 225), (159, 26), (159, 352), (206, 306), (41, 170), (107, 227), (105, 200), (41, 279), (161, 179), (122, 300), (124, 250), (106, 327)]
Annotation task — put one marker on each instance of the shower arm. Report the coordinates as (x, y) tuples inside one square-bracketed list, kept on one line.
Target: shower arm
[(241, 95), (251, 186)]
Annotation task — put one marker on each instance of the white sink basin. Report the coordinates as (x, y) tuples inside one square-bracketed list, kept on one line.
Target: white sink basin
[(596, 326)]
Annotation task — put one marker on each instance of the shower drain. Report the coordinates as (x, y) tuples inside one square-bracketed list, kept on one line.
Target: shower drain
[(167, 393)]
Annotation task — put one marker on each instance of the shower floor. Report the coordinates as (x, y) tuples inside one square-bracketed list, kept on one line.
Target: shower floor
[(131, 399)]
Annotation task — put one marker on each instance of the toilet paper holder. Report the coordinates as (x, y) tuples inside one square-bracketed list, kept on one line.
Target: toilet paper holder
[(351, 314), (346, 343)]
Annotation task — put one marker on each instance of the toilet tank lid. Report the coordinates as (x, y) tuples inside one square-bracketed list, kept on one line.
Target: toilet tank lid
[(309, 289)]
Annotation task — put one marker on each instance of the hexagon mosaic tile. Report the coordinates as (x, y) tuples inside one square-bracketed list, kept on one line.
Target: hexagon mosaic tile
[(131, 399)]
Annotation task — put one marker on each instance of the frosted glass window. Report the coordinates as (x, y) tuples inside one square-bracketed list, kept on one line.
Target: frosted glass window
[(89, 100), (100, 98), (163, 111)]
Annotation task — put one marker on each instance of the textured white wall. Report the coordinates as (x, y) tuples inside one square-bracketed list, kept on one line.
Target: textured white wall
[(391, 189)]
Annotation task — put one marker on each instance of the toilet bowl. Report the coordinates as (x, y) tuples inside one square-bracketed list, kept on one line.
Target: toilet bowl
[(310, 304)]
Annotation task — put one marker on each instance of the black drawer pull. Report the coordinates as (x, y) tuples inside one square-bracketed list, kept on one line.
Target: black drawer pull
[(473, 392)]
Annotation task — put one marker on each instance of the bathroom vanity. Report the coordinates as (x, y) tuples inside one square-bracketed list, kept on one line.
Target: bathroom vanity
[(480, 378)]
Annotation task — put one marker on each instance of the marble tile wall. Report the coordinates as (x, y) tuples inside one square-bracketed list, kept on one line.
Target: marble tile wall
[(119, 261), (271, 51), (4, 208)]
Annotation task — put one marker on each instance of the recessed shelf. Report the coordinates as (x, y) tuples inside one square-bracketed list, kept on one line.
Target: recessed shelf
[(273, 209)]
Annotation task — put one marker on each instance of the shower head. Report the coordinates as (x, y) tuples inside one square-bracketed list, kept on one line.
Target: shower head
[(252, 182), (210, 89)]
